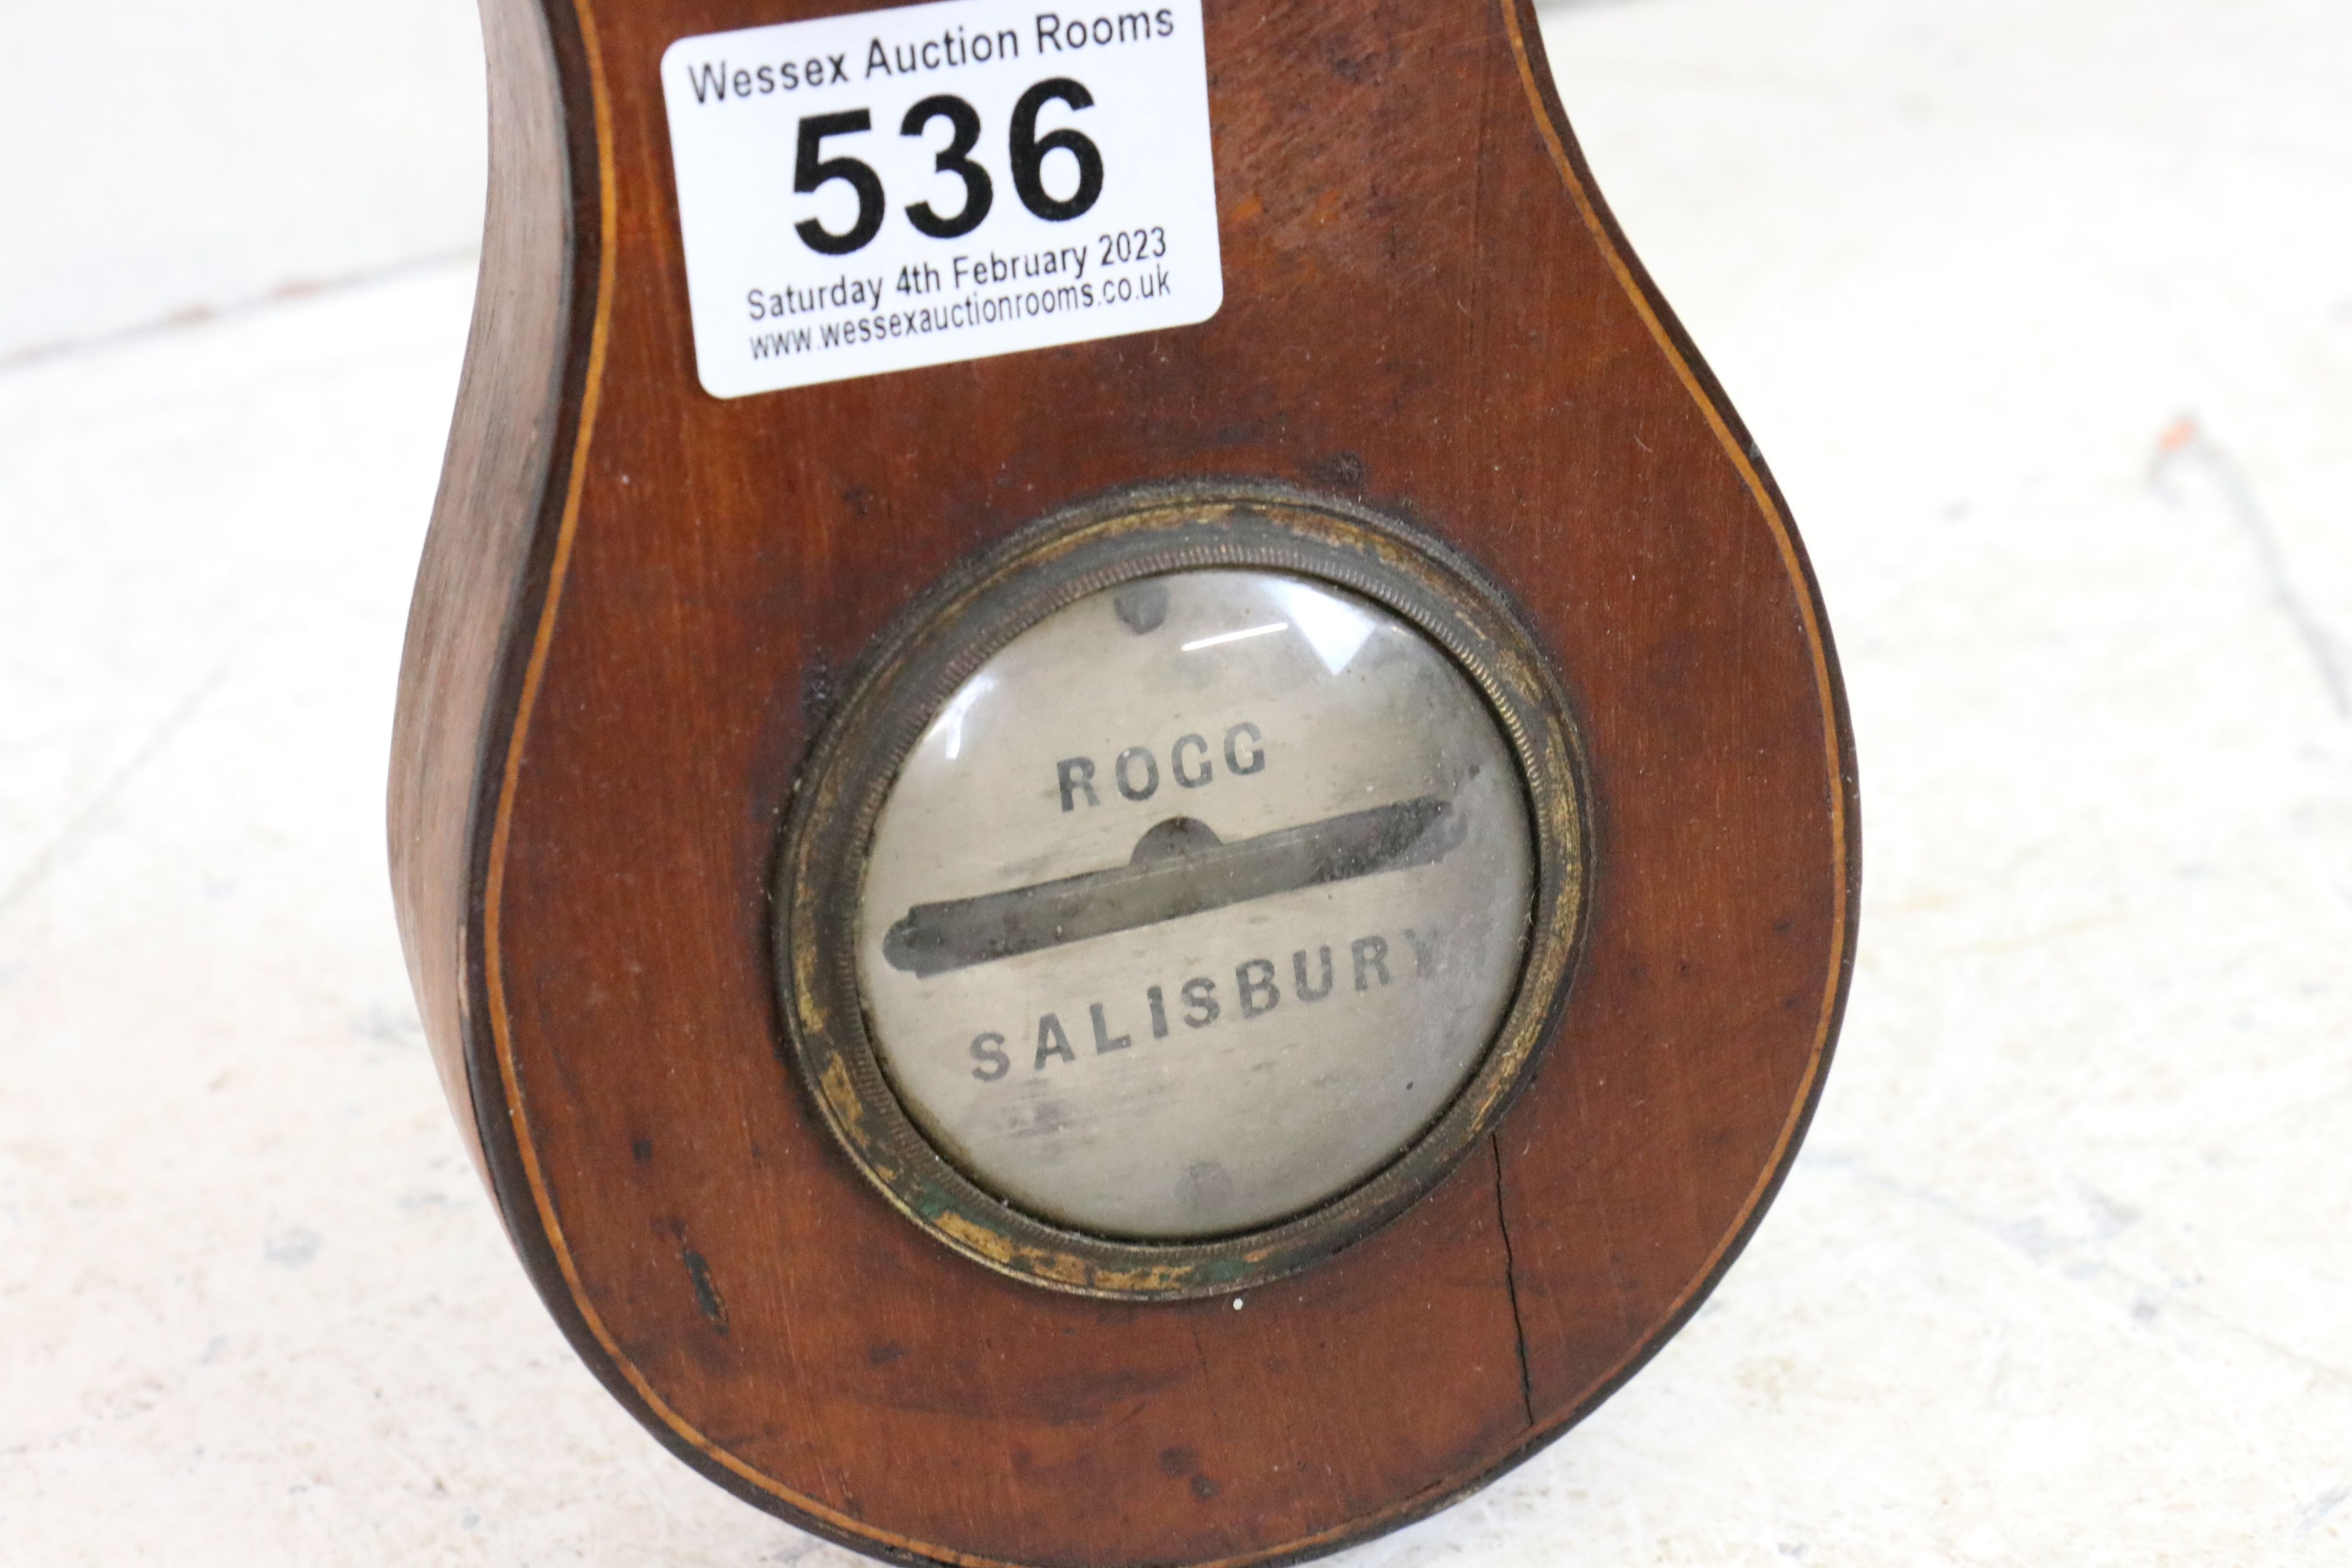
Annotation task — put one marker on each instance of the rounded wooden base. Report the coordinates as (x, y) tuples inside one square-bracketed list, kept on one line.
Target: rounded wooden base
[(638, 602)]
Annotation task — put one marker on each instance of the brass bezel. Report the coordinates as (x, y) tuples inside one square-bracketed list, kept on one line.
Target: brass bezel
[(946, 635)]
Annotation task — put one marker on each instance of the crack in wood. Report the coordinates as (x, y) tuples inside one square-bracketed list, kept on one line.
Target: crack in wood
[(1511, 1283)]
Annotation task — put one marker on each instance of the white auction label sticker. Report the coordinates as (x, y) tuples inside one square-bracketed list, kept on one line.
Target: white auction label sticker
[(934, 184)]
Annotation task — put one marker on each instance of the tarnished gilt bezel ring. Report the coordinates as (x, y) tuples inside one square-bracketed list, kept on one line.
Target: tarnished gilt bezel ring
[(947, 637)]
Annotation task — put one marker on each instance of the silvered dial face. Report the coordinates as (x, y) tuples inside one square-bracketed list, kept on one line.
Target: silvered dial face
[(1195, 904)]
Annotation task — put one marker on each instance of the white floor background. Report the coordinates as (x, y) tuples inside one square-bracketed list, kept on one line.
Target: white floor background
[(2042, 311)]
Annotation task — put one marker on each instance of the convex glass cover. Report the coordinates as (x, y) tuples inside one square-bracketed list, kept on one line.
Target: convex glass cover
[(1182, 890), (1195, 904)]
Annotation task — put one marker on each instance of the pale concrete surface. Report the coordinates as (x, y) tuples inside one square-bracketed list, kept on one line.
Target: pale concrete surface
[(162, 161), (2062, 1276)]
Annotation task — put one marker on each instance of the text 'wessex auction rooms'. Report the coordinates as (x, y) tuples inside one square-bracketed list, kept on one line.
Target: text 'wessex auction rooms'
[(717, 81)]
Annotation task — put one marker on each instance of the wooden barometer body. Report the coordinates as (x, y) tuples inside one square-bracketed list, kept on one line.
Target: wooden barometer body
[(1152, 856)]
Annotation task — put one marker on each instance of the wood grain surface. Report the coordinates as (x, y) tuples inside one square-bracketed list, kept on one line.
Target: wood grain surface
[(637, 602)]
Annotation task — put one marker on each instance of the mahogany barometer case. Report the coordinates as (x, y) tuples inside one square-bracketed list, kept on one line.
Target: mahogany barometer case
[(1121, 809)]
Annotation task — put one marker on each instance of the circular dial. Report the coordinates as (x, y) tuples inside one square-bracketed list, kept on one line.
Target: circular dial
[(1195, 904)]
